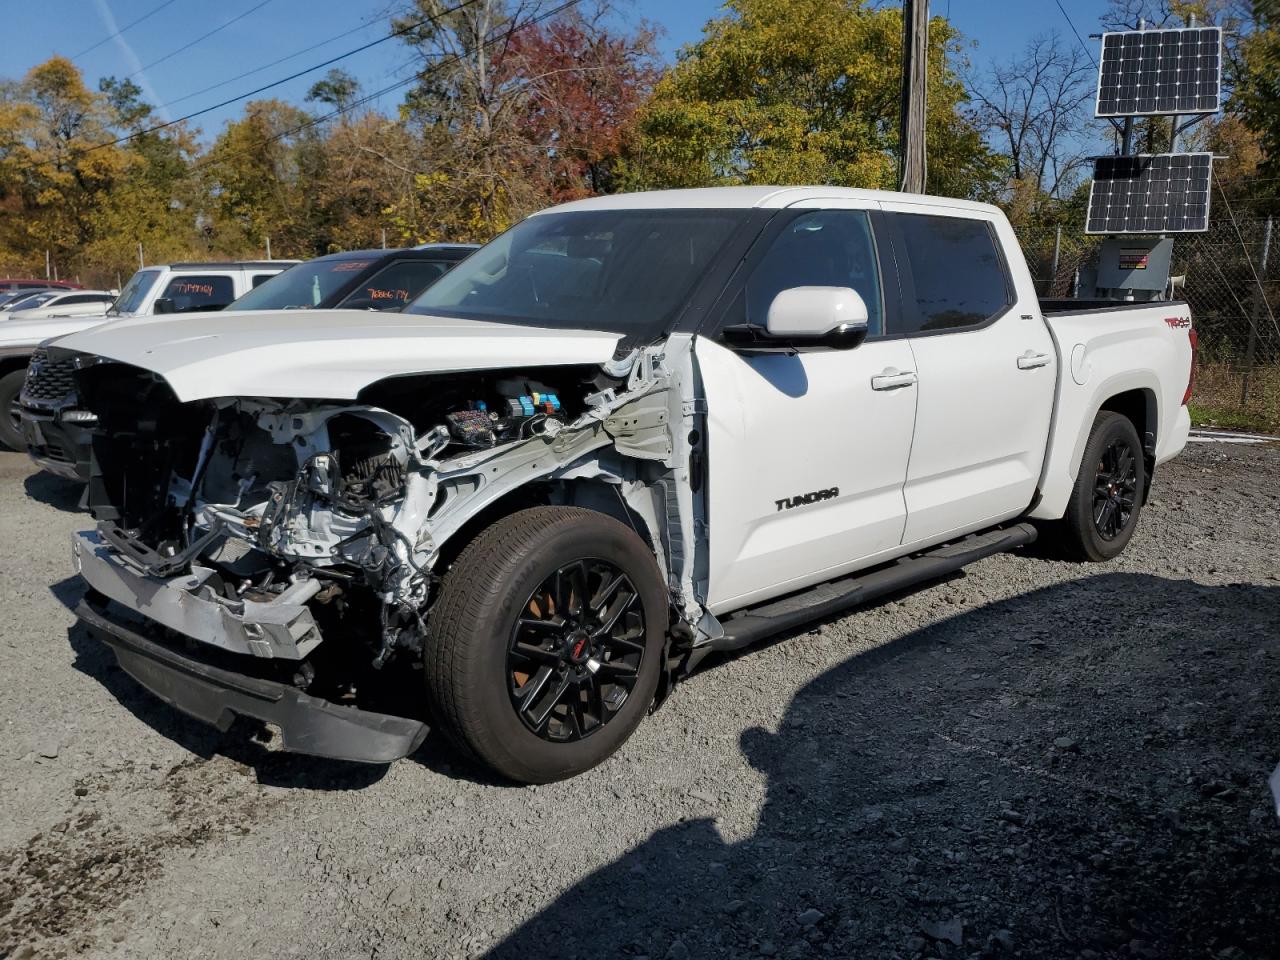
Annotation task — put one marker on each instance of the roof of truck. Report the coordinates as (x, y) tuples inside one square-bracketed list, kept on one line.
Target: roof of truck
[(223, 265), (721, 198)]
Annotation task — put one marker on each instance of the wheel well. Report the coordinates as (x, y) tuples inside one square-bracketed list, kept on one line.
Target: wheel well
[(587, 494), (9, 364), (1139, 407)]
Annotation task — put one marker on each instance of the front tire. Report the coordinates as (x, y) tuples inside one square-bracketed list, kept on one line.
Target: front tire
[(10, 418), (546, 642), (1106, 500)]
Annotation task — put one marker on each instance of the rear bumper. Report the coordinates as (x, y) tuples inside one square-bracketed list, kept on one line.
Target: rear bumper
[(1175, 438), (217, 695)]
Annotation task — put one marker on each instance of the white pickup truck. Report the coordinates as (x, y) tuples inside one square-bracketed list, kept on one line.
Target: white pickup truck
[(629, 432)]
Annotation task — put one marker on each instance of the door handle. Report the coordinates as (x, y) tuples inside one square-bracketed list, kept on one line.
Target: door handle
[(892, 381), (1029, 360)]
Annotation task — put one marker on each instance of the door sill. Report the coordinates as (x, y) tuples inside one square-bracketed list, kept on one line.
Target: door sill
[(824, 599)]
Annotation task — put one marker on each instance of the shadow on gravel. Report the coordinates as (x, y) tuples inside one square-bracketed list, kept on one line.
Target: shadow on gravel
[(54, 491), (1079, 772)]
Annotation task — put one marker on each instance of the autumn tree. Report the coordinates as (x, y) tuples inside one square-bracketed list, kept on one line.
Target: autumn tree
[(514, 111), (370, 183), (158, 202), (259, 178), (583, 85), (70, 184), (805, 91), (52, 170)]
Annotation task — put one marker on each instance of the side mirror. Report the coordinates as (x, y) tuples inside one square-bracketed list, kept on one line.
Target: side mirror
[(811, 313), (163, 305)]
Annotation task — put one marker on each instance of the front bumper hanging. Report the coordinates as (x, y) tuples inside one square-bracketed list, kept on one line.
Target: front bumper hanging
[(281, 628), (217, 695)]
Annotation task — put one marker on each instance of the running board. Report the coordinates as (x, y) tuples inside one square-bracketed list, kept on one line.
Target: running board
[(755, 623)]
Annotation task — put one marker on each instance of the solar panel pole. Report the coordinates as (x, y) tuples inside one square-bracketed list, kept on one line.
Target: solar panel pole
[(1173, 130)]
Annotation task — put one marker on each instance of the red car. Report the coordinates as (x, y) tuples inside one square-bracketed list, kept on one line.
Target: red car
[(12, 285)]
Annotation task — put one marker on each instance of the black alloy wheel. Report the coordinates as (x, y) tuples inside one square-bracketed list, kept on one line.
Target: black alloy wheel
[(1106, 498), (1115, 489), (576, 650), (546, 642)]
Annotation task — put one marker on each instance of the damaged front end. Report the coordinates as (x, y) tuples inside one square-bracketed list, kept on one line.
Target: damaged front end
[(270, 558)]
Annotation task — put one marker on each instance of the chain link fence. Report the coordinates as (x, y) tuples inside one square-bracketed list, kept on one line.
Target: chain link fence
[(1230, 276)]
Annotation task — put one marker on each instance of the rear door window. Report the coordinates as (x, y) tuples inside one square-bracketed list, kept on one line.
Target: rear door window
[(395, 285), (260, 278), (199, 292), (955, 278)]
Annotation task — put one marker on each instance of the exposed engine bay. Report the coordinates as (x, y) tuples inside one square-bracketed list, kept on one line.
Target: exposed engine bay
[(293, 522)]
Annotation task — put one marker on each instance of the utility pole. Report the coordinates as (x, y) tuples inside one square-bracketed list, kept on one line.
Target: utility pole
[(268, 248), (141, 264), (915, 66), (48, 270)]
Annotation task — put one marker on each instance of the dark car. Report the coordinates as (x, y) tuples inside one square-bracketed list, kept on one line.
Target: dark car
[(57, 433), (356, 279)]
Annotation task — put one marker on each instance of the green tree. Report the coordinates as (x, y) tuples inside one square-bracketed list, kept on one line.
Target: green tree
[(1256, 97), (805, 91), (337, 88)]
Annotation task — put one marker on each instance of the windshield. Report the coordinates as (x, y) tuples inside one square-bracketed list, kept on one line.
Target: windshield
[(35, 300), (620, 271), (304, 285), (135, 292), (20, 299)]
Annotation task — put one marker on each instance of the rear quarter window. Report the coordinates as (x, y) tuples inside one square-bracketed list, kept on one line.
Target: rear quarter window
[(957, 277)]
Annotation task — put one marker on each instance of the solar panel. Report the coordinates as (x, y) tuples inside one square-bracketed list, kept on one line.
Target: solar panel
[(1155, 72), (1154, 193)]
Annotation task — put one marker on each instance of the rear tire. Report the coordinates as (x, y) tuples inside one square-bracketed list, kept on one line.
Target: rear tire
[(546, 642), (10, 424), (1106, 500)]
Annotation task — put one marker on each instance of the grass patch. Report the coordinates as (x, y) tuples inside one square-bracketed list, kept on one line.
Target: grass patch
[(1217, 398)]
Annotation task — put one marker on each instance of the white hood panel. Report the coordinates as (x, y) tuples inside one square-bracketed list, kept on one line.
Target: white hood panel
[(25, 333), (324, 354)]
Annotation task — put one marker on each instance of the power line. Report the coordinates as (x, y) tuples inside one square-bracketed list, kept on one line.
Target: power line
[(314, 121), (276, 83), (127, 26), (201, 38), (267, 66), (1083, 46)]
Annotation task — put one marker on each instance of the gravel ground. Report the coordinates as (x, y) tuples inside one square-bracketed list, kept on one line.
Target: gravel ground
[(1035, 759)]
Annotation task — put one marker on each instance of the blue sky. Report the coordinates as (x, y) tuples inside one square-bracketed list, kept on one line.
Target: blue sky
[(278, 28)]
